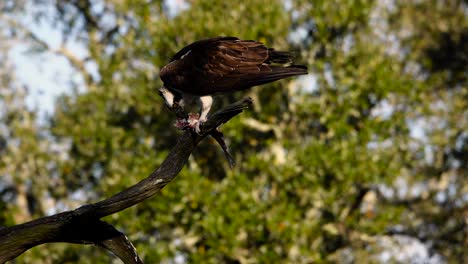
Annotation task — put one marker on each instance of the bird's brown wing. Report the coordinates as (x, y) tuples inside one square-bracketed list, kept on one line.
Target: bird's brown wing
[(214, 65), (224, 64), (201, 45), (231, 64)]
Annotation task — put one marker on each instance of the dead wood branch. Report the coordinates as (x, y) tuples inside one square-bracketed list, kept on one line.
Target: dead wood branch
[(83, 225)]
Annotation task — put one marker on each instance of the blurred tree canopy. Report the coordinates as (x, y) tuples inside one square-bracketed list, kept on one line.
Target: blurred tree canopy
[(364, 156)]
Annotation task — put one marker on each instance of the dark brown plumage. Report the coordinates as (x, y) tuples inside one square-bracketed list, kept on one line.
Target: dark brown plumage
[(222, 65), (226, 64)]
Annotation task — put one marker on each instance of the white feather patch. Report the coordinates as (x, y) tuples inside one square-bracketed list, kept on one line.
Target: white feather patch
[(183, 56)]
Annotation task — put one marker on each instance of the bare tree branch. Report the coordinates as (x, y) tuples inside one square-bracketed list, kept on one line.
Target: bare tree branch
[(83, 226)]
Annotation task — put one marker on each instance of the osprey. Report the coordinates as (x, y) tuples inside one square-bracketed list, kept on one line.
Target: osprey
[(221, 65)]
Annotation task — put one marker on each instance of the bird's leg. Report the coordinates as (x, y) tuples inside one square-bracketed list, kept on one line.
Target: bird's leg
[(205, 102)]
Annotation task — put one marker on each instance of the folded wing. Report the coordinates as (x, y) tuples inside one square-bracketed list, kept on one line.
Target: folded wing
[(226, 64)]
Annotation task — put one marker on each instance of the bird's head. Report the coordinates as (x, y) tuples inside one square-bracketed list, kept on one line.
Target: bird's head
[(172, 99), (169, 97)]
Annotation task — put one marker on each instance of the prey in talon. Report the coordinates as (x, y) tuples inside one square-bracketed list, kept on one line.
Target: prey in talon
[(189, 122), (218, 66)]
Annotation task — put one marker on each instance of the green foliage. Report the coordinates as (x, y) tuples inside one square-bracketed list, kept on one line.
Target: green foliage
[(313, 154)]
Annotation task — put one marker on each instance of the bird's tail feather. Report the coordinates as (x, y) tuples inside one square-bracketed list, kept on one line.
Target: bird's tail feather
[(277, 73), (281, 57)]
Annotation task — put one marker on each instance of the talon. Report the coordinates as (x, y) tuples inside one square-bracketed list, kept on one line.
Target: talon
[(191, 122), (197, 126), (200, 122)]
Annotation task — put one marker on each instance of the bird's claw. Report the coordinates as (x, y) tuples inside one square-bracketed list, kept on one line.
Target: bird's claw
[(198, 124), (192, 121)]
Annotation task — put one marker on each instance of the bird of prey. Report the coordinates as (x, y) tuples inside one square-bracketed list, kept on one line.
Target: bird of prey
[(221, 65)]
